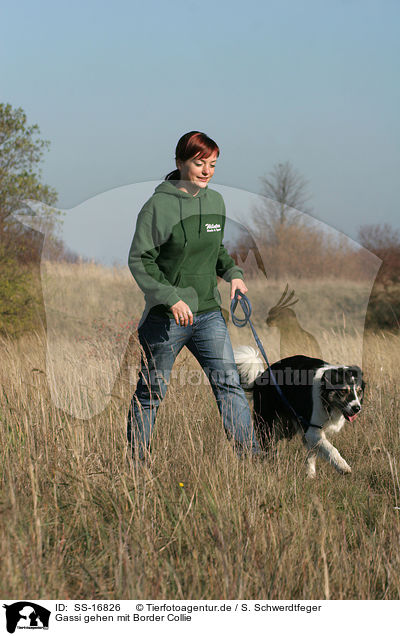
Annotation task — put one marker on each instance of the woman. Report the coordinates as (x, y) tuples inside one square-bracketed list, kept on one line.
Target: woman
[(175, 257)]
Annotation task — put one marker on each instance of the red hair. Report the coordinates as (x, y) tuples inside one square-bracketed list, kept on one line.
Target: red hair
[(192, 144)]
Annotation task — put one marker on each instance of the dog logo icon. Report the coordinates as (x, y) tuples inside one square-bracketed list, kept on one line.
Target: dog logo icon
[(26, 615)]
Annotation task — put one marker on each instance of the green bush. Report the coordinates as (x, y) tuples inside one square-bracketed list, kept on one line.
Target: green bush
[(21, 306)]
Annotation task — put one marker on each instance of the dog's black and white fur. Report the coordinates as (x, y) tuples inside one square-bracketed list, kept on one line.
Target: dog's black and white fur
[(324, 395)]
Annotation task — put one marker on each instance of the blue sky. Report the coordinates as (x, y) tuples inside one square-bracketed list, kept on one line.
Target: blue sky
[(114, 85)]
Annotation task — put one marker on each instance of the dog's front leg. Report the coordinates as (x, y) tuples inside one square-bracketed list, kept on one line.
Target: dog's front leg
[(317, 443), (311, 461)]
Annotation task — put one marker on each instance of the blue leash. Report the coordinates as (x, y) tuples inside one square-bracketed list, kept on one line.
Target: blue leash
[(242, 322)]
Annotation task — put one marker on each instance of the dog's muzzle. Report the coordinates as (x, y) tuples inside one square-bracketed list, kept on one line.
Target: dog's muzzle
[(352, 414)]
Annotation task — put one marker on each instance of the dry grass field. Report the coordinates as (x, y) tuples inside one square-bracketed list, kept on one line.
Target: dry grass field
[(80, 520)]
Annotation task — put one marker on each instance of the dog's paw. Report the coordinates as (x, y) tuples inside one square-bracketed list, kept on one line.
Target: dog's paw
[(343, 468), (310, 468)]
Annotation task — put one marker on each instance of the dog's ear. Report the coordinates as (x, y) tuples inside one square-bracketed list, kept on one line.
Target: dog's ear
[(333, 378), (356, 375)]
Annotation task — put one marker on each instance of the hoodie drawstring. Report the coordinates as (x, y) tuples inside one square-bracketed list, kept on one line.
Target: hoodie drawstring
[(182, 224), (181, 219), (199, 215)]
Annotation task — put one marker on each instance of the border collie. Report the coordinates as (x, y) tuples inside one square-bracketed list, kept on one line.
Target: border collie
[(324, 396)]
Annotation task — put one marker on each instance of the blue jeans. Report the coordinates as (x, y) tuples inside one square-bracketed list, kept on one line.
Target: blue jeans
[(208, 340)]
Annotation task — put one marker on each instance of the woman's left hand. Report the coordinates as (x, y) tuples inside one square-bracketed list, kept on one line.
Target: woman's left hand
[(237, 283)]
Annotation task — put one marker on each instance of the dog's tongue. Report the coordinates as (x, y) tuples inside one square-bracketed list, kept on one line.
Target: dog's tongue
[(351, 417)]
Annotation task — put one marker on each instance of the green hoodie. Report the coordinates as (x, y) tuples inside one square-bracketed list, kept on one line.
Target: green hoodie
[(177, 251)]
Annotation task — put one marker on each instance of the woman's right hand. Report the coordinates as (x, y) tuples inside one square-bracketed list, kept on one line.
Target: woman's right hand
[(182, 314)]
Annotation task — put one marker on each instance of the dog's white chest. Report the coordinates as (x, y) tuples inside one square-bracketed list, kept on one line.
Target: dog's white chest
[(335, 424)]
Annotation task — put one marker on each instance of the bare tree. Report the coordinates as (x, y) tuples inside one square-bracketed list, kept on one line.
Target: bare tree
[(286, 196), (384, 303), (384, 241), (379, 237)]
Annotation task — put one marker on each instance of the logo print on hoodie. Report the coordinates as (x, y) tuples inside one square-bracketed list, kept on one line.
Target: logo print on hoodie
[(213, 227)]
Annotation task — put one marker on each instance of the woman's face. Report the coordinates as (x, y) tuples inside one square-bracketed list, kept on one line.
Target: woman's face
[(197, 172)]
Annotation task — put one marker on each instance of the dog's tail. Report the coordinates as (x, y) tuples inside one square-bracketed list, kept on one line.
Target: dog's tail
[(249, 365)]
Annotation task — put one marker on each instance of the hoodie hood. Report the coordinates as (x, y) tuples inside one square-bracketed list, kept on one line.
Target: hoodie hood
[(168, 187)]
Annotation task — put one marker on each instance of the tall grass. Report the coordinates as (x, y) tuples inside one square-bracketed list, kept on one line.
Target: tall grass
[(79, 519)]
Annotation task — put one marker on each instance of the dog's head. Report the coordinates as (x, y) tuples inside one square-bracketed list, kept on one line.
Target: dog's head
[(342, 388)]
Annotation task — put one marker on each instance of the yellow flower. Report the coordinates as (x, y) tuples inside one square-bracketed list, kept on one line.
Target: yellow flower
[(181, 485)]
